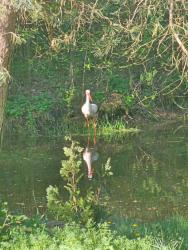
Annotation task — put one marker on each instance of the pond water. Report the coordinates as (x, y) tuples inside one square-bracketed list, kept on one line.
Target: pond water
[(150, 171)]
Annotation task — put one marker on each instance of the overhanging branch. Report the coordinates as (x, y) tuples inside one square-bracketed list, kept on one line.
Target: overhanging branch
[(171, 25)]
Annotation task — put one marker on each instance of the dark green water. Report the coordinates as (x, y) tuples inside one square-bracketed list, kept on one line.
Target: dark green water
[(150, 179)]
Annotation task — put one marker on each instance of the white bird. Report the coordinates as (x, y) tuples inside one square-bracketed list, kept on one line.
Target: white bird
[(90, 155), (89, 110)]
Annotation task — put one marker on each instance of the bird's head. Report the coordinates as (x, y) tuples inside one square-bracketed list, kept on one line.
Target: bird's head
[(90, 174), (88, 93)]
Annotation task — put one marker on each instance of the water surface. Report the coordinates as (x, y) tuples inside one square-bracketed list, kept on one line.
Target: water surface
[(150, 172)]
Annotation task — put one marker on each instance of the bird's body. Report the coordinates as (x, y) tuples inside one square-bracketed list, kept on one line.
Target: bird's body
[(90, 155), (89, 110)]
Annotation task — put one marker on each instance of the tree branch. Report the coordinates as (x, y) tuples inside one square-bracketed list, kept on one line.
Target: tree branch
[(171, 25)]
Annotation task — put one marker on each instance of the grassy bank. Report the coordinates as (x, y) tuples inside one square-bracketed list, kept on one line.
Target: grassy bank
[(47, 126), (170, 234), (44, 100), (57, 112)]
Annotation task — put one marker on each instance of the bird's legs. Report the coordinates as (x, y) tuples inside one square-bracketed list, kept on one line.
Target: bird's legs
[(94, 141), (95, 136), (95, 130), (88, 140), (95, 122), (87, 122)]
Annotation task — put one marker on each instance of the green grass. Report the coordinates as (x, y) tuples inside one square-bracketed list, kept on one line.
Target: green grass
[(27, 119), (21, 232), (115, 128), (173, 230), (74, 237)]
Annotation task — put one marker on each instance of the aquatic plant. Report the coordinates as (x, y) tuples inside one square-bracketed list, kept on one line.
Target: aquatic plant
[(79, 207)]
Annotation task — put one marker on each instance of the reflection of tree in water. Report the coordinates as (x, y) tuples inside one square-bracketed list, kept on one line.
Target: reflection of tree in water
[(163, 184), (151, 186), (157, 177), (150, 176), (145, 161)]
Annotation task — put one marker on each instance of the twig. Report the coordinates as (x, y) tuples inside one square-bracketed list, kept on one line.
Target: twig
[(171, 25), (135, 12)]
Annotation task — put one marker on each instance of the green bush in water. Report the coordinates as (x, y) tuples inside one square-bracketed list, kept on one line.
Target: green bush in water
[(79, 207)]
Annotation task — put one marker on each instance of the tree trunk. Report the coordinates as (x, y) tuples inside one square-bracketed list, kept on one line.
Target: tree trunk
[(7, 23)]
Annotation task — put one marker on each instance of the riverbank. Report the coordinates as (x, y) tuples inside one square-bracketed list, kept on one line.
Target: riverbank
[(43, 101), (43, 123), (20, 232)]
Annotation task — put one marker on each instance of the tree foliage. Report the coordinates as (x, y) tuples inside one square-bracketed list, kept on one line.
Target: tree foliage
[(138, 48)]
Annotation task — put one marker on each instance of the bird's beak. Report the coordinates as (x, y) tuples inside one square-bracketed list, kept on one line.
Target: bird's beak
[(90, 98), (90, 174)]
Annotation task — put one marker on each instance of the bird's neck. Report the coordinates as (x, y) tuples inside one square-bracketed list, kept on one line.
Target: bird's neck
[(87, 99)]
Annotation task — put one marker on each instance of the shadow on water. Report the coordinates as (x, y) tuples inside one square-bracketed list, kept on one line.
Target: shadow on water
[(150, 174)]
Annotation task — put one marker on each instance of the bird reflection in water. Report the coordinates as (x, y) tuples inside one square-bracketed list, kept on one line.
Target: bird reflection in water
[(90, 155)]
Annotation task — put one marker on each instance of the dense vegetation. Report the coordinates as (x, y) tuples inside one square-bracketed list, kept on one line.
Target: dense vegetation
[(132, 54), (75, 237)]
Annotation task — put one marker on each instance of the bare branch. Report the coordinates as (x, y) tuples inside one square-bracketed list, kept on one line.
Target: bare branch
[(171, 25)]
